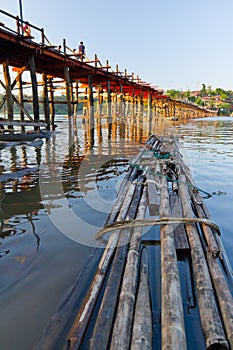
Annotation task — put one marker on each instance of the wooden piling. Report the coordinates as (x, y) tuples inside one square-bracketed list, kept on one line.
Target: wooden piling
[(46, 100), (34, 89), (9, 98), (51, 104), (91, 102), (109, 101), (68, 91)]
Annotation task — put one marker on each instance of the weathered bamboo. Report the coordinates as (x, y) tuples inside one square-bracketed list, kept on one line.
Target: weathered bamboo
[(181, 240), (103, 326), (153, 200), (142, 327), (210, 319), (124, 317), (129, 177), (81, 322), (204, 212), (173, 330), (208, 233), (224, 296)]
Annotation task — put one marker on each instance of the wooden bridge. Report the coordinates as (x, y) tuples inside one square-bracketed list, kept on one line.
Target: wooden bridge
[(61, 68)]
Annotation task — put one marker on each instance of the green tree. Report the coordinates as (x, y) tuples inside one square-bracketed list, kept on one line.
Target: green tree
[(203, 91)]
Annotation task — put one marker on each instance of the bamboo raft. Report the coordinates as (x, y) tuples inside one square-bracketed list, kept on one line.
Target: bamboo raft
[(120, 310)]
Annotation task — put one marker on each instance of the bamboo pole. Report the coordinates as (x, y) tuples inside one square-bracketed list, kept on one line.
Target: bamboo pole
[(129, 177), (124, 317), (210, 319), (142, 327), (173, 329), (223, 294), (81, 322), (103, 326), (208, 233)]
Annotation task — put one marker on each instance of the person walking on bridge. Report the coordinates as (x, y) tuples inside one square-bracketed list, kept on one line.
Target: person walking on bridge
[(26, 30), (81, 51)]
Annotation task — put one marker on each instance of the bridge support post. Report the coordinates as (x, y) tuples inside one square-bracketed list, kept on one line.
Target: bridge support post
[(109, 101), (20, 97), (76, 99), (91, 102), (51, 104), (122, 102), (100, 100), (9, 98), (109, 109), (149, 111), (34, 90), (68, 90), (46, 100)]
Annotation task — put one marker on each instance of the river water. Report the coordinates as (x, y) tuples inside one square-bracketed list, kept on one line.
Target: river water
[(49, 217)]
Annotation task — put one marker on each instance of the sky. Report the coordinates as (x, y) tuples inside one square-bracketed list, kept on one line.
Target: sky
[(173, 44)]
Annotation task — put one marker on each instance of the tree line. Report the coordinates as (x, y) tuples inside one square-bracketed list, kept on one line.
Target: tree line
[(218, 98)]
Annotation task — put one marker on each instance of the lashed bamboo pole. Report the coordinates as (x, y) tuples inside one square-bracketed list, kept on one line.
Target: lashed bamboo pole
[(103, 326), (124, 317), (128, 178), (198, 202), (210, 319), (80, 324), (173, 330), (210, 239), (142, 327), (223, 294)]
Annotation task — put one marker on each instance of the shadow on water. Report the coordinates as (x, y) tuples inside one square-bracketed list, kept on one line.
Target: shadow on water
[(55, 198)]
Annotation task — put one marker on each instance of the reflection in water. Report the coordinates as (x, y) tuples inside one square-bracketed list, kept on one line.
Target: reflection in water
[(82, 169)]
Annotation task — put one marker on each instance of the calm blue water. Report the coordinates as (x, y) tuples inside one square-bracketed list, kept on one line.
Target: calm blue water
[(49, 218)]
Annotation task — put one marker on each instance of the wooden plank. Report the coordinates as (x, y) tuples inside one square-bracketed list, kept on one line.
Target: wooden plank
[(153, 199)]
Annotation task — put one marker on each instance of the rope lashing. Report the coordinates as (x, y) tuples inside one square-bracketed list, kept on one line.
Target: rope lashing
[(151, 222), (172, 180)]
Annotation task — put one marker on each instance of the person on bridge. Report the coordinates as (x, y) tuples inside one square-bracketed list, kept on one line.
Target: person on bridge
[(26, 30), (81, 51)]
